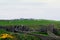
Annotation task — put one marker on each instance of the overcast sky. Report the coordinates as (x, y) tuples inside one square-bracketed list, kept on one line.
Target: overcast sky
[(37, 9)]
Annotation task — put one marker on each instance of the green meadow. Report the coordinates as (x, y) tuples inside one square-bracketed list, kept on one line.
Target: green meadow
[(30, 23)]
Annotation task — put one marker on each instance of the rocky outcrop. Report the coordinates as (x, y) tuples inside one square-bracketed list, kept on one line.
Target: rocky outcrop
[(16, 28), (50, 30)]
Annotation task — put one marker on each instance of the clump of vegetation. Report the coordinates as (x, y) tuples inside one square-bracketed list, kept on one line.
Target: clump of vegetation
[(6, 37)]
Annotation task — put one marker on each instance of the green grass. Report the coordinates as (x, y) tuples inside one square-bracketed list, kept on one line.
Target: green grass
[(30, 23), (20, 36)]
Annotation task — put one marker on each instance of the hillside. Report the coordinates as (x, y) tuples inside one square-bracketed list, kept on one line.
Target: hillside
[(31, 23)]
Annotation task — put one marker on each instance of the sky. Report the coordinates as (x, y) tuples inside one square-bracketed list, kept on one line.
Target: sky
[(37, 9)]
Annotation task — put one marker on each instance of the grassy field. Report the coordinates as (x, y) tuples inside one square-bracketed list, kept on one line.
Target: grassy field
[(30, 23)]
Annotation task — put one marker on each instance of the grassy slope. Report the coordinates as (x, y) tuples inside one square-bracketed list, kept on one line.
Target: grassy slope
[(30, 23)]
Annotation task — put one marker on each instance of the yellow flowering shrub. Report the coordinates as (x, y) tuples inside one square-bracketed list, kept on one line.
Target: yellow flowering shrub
[(6, 36)]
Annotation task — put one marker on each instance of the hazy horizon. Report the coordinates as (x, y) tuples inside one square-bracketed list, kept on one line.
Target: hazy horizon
[(36, 9)]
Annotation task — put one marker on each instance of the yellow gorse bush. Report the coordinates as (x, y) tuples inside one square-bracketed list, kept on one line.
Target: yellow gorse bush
[(6, 36)]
